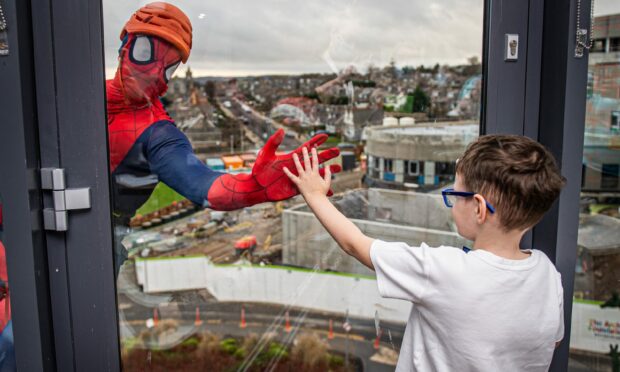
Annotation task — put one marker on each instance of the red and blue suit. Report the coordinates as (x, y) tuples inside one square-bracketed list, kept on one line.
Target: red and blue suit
[(7, 345), (146, 147)]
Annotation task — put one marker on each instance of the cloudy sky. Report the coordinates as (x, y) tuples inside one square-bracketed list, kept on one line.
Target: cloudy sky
[(245, 37)]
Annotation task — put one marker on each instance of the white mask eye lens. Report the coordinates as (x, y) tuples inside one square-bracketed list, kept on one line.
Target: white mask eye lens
[(170, 70), (142, 50)]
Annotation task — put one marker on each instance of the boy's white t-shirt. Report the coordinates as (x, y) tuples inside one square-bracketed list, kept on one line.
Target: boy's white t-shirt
[(472, 311)]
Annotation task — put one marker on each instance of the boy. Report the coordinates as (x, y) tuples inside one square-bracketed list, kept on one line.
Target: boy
[(491, 308)]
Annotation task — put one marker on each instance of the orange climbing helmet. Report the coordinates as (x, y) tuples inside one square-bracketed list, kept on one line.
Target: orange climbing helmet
[(165, 21)]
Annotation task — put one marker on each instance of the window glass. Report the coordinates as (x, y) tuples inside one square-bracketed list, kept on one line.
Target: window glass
[(599, 45), (614, 44), (595, 326), (217, 269)]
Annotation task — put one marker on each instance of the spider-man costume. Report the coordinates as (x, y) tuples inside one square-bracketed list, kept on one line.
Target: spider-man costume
[(145, 145), (7, 348)]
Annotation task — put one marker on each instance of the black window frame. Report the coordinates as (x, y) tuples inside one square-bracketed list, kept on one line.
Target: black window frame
[(57, 85)]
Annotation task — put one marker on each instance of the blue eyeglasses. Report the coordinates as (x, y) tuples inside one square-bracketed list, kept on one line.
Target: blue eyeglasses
[(449, 194)]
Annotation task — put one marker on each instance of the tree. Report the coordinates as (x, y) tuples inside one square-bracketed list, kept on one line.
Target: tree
[(408, 70), (473, 68), (338, 100), (421, 101), (393, 69), (371, 70), (364, 83), (210, 89), (408, 105), (312, 95)]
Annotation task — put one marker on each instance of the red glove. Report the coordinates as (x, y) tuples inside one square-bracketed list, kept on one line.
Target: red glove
[(267, 182)]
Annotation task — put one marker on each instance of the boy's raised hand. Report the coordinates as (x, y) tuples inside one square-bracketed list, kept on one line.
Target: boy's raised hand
[(308, 179)]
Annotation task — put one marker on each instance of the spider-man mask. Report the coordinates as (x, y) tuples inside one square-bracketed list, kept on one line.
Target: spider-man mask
[(146, 65)]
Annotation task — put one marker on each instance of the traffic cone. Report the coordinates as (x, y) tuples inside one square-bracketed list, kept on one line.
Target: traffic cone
[(197, 322), (242, 324), (330, 335), (155, 317), (376, 343), (287, 325)]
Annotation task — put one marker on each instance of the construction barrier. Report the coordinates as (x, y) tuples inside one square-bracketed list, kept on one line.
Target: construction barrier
[(287, 324), (242, 323), (197, 322)]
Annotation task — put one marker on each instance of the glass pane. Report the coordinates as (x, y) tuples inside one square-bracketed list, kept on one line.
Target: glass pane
[(595, 332), (7, 349), (219, 265)]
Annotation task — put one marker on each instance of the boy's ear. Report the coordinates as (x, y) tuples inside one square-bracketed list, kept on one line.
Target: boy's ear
[(481, 209)]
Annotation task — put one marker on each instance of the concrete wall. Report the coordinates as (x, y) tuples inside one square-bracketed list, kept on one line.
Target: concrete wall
[(439, 143), (312, 289), (392, 216), (411, 209)]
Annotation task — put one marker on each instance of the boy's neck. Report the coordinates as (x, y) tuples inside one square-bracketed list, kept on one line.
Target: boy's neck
[(502, 244)]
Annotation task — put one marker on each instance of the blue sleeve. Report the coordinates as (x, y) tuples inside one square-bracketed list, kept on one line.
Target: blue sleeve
[(172, 159), (7, 348)]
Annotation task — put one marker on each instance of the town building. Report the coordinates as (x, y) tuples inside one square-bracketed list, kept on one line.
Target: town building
[(419, 156), (601, 153)]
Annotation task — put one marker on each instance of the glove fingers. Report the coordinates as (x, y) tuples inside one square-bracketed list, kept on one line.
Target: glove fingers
[(328, 154), (268, 153), (315, 141), (273, 142), (334, 168)]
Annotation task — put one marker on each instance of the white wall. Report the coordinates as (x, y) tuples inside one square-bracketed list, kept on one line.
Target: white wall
[(272, 284)]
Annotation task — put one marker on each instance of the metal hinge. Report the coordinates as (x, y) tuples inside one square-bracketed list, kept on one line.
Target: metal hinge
[(56, 219)]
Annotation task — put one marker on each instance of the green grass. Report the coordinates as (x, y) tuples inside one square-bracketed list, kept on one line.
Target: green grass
[(161, 197), (333, 140), (589, 302), (598, 208)]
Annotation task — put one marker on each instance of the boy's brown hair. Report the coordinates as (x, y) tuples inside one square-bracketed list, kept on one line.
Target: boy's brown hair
[(517, 175)]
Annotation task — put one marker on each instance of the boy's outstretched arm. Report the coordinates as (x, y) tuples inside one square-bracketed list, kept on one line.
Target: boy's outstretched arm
[(314, 188)]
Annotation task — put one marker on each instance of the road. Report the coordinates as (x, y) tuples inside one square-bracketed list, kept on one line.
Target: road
[(261, 125), (265, 320)]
